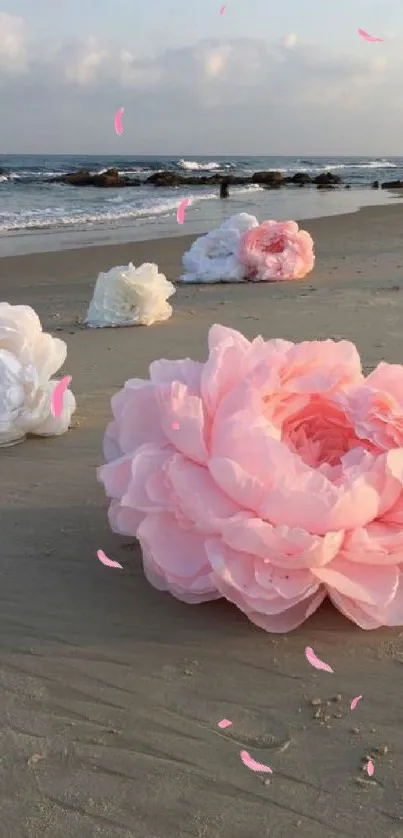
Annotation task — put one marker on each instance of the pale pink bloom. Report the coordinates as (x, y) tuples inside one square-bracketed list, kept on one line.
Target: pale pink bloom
[(274, 490), (276, 250)]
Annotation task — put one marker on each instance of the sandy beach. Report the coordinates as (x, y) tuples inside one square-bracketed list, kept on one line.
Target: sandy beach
[(111, 692)]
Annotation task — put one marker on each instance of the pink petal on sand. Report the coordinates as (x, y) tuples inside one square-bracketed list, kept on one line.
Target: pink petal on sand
[(180, 214), (369, 38), (354, 702), (315, 661), (224, 723), (253, 765), (222, 10), (118, 121), (370, 768), (108, 562), (57, 396)]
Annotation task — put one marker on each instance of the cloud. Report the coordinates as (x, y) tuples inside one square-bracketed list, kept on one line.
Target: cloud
[(290, 40), (83, 64), (13, 43), (217, 61), (242, 95)]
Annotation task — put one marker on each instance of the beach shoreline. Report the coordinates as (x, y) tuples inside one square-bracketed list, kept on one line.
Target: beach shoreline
[(111, 690), (358, 236), (203, 214), (40, 211)]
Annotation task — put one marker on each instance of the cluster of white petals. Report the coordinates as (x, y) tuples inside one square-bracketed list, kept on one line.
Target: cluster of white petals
[(28, 359), (129, 296), (215, 257)]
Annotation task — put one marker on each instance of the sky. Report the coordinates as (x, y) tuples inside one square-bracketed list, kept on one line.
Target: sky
[(262, 78)]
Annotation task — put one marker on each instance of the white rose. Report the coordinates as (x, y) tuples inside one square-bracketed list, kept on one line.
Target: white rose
[(28, 358), (129, 296)]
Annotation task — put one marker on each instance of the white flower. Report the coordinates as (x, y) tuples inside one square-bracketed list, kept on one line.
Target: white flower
[(129, 296), (214, 257), (28, 358)]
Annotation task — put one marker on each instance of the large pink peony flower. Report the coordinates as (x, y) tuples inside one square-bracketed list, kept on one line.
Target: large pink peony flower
[(271, 475), (276, 250)]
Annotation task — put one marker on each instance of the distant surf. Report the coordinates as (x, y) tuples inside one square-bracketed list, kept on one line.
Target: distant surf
[(31, 202)]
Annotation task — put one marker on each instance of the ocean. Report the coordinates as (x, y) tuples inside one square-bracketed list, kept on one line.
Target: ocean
[(38, 215)]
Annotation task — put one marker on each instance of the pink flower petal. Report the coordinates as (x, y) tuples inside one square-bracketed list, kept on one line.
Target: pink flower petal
[(108, 562), (118, 121), (180, 215), (355, 701), (58, 395), (370, 38), (315, 661), (224, 723), (178, 556), (253, 765), (370, 768)]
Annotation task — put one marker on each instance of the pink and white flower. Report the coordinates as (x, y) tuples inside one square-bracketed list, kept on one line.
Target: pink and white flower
[(276, 250), (281, 484)]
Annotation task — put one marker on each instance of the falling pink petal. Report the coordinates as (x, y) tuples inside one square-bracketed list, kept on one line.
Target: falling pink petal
[(118, 121), (58, 395), (315, 661), (253, 765), (224, 723), (369, 38), (370, 767), (108, 562), (175, 426), (180, 215), (222, 10), (355, 701)]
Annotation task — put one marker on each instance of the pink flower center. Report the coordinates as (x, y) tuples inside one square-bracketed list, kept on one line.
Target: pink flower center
[(320, 433), (274, 244)]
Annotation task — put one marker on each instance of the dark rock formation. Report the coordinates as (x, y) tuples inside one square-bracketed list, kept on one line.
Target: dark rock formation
[(165, 179), (168, 179), (326, 186), (300, 178), (375, 184), (268, 179), (392, 184), (109, 178), (327, 179)]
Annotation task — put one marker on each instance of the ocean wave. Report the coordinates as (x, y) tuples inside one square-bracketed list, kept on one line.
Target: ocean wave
[(58, 217), (43, 219), (192, 166), (374, 164)]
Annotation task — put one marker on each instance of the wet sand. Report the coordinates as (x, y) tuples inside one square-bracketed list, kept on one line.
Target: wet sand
[(111, 692)]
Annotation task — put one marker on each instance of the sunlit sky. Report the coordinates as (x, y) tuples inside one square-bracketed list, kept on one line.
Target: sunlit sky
[(262, 78)]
